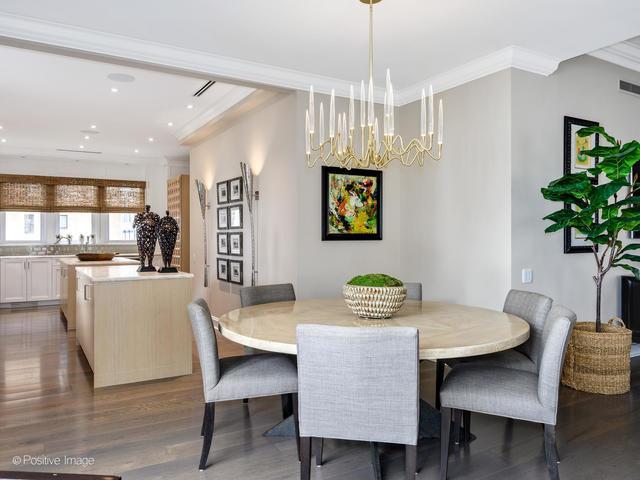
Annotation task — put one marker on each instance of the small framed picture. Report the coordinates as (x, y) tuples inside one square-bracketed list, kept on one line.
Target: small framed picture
[(235, 244), (235, 189), (235, 216), (574, 160), (223, 269), (223, 218), (222, 192), (223, 244), (235, 271)]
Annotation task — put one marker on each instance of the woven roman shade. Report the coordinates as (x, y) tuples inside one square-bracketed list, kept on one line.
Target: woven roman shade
[(63, 194)]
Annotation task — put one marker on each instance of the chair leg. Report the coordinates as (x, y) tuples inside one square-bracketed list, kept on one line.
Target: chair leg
[(245, 401), (466, 421), (551, 452), (305, 460), (210, 410), (457, 425), (375, 461), (287, 405), (318, 447), (445, 429), (205, 419), (410, 461), (439, 378), (296, 422)]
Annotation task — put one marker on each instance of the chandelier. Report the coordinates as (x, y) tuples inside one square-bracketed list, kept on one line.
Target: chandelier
[(343, 149)]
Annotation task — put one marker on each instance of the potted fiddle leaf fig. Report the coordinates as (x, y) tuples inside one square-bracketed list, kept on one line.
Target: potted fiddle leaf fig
[(598, 355)]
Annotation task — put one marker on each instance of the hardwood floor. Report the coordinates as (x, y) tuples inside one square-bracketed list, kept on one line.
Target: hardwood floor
[(152, 430)]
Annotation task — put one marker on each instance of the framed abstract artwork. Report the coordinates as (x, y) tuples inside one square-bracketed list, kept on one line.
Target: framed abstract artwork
[(235, 271), (575, 162), (235, 244), (351, 204), (222, 189), (235, 189), (223, 269), (223, 244), (223, 218)]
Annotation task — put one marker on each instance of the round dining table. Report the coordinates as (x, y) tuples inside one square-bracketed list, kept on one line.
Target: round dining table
[(445, 330)]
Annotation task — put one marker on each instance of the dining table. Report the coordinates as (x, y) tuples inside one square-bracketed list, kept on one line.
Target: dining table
[(446, 331)]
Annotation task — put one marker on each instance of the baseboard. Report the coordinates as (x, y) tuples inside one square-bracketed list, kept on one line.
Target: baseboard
[(20, 305)]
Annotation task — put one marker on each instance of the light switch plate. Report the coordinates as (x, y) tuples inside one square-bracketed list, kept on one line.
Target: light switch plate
[(527, 275)]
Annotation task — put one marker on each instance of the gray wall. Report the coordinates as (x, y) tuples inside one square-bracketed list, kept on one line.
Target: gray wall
[(585, 88)]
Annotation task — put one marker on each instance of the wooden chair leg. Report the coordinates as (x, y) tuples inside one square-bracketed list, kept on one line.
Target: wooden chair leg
[(296, 422), (457, 425), (551, 452), (466, 421), (210, 410), (445, 429), (305, 460), (439, 379), (318, 447), (410, 461), (287, 405)]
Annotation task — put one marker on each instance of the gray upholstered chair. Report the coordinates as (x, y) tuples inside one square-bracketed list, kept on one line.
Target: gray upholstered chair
[(414, 290), (358, 384), (234, 378), (511, 393), (532, 307)]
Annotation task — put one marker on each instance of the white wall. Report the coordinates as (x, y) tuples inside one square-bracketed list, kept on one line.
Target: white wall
[(585, 88)]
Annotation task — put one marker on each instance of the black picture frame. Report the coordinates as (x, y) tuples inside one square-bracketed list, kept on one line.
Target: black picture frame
[(220, 226), (326, 173), (219, 197), (231, 188), (635, 173), (218, 249), (568, 167), (240, 243), (222, 262), (235, 207), (240, 265)]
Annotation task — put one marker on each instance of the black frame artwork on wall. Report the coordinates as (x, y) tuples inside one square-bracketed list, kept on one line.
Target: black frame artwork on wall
[(327, 211), (219, 197), (240, 270), (571, 124), (239, 209), (225, 237), (220, 227), (239, 252), (237, 197), (225, 262)]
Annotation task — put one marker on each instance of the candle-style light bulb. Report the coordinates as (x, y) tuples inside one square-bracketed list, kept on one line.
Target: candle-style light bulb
[(431, 110), (339, 138), (321, 126), (352, 119), (423, 115), (440, 123), (371, 110), (332, 115), (307, 134), (377, 134), (385, 120), (392, 120), (363, 108), (312, 111)]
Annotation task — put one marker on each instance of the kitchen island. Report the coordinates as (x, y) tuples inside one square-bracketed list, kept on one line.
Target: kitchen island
[(133, 326)]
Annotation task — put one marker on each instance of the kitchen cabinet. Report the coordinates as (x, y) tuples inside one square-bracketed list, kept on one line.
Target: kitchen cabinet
[(13, 280), (39, 274), (29, 279), (55, 279)]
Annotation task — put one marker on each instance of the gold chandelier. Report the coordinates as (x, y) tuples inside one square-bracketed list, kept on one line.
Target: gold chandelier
[(374, 151)]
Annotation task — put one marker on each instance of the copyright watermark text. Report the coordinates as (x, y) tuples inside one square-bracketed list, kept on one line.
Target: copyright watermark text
[(43, 460)]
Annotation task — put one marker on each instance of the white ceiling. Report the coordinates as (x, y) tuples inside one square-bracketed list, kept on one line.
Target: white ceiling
[(47, 100), (417, 39)]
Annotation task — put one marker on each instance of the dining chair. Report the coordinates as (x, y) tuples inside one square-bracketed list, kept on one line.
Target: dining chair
[(358, 384), (534, 309), (511, 393), (414, 290), (234, 378)]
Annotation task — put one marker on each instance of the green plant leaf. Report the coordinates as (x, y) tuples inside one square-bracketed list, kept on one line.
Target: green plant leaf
[(587, 131), (629, 247), (599, 196), (601, 151), (631, 258), (570, 188), (633, 270)]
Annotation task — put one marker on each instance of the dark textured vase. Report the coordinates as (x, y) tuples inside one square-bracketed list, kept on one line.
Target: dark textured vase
[(167, 235), (146, 226)]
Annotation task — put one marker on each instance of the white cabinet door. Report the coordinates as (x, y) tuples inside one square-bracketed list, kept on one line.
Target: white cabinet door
[(13, 280), (39, 279), (55, 279)]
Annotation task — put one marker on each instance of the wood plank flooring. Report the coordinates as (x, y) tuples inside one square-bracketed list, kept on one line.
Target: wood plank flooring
[(151, 430)]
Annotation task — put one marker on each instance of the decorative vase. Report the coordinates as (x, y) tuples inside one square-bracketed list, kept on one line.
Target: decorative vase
[(146, 226), (598, 362), (374, 302), (168, 229)]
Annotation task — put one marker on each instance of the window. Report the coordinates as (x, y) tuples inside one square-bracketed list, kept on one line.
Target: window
[(75, 224), (121, 227), (23, 226)]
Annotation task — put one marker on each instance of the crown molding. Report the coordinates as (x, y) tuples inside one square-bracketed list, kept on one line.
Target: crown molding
[(624, 54), (509, 57), (83, 40)]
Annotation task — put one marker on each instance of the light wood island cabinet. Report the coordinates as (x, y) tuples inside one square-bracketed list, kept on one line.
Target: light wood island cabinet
[(133, 326)]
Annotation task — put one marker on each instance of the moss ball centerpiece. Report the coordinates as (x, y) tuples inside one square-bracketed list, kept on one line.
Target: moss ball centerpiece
[(374, 295)]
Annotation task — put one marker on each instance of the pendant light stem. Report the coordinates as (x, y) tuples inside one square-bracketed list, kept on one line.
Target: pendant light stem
[(370, 38)]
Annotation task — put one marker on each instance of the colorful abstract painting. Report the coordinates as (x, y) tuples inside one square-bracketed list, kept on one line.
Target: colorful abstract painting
[(352, 208)]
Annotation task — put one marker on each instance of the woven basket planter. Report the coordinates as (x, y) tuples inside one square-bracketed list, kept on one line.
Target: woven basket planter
[(374, 302), (598, 362)]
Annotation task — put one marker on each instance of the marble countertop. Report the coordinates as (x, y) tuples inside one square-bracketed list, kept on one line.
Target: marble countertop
[(125, 273), (76, 262)]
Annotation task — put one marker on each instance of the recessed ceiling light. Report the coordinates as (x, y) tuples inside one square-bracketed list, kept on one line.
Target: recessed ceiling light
[(87, 137), (114, 90), (151, 139), (93, 127), (121, 77), (4, 140), (189, 106), (136, 151), (80, 147), (170, 124)]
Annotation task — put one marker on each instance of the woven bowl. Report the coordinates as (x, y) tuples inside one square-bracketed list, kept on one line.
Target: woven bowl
[(374, 302)]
